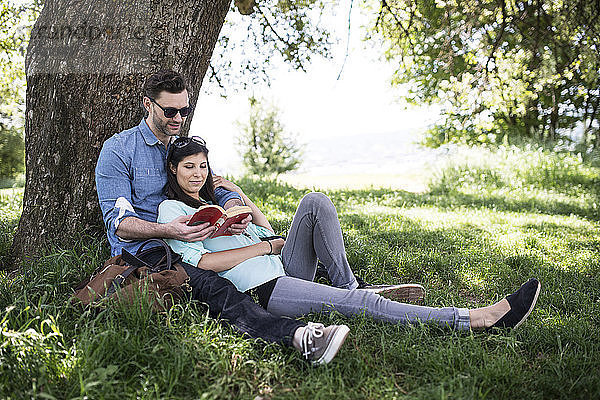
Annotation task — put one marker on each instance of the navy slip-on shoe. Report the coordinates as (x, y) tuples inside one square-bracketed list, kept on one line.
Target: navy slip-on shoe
[(521, 303)]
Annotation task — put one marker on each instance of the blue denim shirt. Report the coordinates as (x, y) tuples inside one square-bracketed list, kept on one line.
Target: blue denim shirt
[(130, 181)]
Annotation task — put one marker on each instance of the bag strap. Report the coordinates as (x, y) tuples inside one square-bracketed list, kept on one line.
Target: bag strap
[(264, 239), (137, 262), (119, 279), (141, 256)]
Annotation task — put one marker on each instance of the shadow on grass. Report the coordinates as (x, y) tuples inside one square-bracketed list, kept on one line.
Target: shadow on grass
[(466, 263)]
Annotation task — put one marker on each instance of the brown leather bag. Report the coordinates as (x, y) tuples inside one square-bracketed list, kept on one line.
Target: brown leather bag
[(129, 278)]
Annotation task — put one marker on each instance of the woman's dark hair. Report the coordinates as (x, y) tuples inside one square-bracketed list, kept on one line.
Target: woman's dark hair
[(164, 80), (174, 157)]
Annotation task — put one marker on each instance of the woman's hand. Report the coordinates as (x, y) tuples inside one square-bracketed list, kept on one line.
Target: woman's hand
[(277, 245), (239, 228), (219, 181)]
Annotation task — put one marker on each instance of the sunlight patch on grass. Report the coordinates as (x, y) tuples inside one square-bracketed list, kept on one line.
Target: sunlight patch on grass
[(510, 240), (435, 217), (11, 202), (4, 193), (373, 209), (526, 194), (472, 278), (498, 220), (581, 261)]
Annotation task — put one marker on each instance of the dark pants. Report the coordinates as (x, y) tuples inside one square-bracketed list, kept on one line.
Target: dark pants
[(227, 303)]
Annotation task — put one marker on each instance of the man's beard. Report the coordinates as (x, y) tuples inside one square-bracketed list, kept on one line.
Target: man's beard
[(164, 128)]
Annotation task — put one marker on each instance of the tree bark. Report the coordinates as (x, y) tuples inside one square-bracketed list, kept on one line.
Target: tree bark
[(86, 63)]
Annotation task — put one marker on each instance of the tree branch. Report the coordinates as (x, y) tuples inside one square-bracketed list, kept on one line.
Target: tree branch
[(271, 26), (347, 40), (385, 5), (214, 74)]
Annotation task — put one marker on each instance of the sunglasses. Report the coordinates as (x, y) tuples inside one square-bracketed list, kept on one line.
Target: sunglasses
[(181, 142), (171, 112)]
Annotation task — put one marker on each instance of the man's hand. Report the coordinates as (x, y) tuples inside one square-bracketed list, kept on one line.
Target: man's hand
[(232, 203), (219, 181), (180, 230), (239, 228)]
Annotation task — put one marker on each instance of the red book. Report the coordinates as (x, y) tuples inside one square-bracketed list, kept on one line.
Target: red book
[(219, 217)]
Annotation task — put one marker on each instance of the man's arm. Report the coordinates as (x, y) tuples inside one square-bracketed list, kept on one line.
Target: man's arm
[(232, 203), (113, 184), (133, 228), (227, 198)]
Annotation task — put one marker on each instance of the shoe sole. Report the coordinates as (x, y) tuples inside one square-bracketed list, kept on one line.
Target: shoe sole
[(537, 292), (339, 336), (409, 293)]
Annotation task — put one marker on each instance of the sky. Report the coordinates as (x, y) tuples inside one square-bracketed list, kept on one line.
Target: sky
[(316, 105)]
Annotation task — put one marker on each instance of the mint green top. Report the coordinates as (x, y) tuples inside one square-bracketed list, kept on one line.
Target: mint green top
[(246, 275)]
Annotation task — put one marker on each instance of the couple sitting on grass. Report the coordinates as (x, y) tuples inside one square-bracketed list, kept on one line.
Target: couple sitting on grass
[(149, 184)]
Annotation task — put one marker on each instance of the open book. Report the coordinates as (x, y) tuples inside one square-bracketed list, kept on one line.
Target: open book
[(219, 217)]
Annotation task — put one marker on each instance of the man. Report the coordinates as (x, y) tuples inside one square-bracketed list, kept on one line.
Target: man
[(130, 181)]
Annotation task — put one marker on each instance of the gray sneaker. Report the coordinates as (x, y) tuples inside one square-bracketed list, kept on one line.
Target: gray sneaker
[(407, 293), (320, 344)]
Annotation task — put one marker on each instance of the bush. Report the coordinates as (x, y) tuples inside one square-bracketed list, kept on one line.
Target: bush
[(513, 167)]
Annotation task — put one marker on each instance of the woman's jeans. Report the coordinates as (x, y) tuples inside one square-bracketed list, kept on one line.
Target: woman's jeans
[(227, 303), (316, 234)]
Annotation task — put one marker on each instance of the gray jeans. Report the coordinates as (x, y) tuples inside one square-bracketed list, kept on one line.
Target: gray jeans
[(316, 234)]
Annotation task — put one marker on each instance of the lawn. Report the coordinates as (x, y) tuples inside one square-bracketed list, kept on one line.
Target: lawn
[(488, 221)]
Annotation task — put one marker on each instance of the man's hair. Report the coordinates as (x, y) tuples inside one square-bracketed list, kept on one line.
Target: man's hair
[(164, 80)]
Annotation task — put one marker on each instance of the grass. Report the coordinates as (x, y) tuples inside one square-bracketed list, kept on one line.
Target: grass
[(489, 221)]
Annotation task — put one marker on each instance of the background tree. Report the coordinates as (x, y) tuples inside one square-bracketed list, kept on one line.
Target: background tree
[(501, 68), (265, 147)]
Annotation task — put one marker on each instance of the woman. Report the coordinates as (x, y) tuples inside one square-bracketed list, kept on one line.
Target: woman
[(280, 272)]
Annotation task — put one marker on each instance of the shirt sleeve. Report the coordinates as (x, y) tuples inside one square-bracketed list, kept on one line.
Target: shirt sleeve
[(113, 185), (224, 195), (190, 252), (261, 231)]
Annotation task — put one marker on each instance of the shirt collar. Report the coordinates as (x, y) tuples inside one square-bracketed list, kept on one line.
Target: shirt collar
[(149, 137)]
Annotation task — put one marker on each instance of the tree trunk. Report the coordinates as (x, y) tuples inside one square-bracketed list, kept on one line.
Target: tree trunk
[(86, 63)]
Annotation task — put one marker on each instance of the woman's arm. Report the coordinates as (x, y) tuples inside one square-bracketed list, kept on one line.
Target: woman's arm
[(194, 253), (223, 260), (257, 216)]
